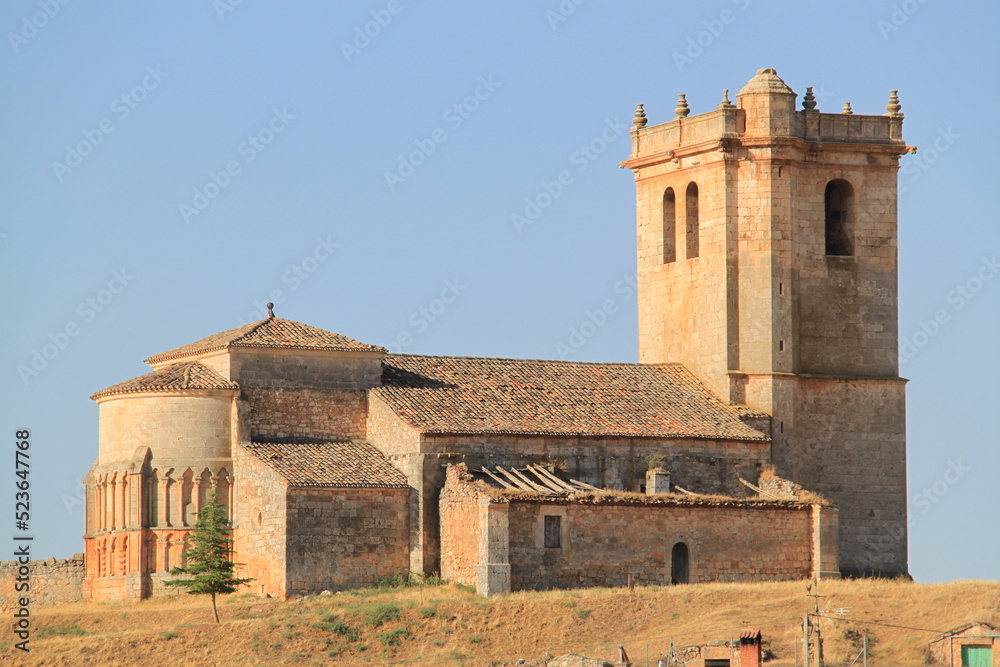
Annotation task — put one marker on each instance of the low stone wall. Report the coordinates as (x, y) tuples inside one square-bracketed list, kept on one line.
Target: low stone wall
[(52, 581)]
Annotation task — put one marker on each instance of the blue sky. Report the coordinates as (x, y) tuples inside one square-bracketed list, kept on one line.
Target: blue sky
[(170, 166)]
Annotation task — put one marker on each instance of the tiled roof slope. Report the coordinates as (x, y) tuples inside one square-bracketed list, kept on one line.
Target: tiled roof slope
[(328, 463), (484, 395), (189, 375), (269, 332)]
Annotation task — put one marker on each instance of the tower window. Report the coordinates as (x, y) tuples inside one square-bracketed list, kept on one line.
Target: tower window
[(839, 216), (691, 213), (669, 226)]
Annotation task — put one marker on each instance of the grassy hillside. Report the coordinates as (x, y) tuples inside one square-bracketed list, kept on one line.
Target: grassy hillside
[(446, 625)]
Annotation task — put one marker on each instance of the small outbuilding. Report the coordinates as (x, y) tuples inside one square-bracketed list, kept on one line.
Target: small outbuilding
[(971, 645)]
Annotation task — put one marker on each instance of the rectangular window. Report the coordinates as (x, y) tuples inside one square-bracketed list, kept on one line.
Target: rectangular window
[(553, 532), (717, 662)]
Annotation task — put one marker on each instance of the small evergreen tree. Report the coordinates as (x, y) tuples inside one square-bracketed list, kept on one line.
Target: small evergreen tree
[(208, 560)]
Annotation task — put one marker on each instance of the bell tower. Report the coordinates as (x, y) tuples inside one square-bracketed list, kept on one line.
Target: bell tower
[(767, 263)]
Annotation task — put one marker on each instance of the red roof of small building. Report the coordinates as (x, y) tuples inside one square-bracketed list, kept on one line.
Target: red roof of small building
[(273, 332), (334, 463), (527, 396), (188, 375)]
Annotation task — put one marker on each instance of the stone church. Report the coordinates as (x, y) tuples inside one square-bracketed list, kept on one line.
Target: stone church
[(761, 436)]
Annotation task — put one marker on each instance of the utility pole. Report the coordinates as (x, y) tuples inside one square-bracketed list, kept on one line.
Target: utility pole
[(805, 640)]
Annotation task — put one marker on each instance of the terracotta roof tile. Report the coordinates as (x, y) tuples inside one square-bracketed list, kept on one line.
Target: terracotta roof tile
[(485, 395), (269, 332), (328, 463), (189, 375)]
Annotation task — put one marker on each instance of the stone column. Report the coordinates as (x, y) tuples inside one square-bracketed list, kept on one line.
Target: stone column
[(98, 506), (163, 490), (493, 570), (109, 502), (122, 501)]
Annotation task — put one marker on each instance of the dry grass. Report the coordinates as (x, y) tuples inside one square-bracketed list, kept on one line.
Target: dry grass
[(445, 625)]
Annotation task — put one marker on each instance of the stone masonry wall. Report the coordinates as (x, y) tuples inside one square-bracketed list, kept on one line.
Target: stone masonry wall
[(859, 464), (260, 524), (604, 544), (53, 581), (195, 426), (703, 466), (339, 371), (306, 413), (460, 532), (342, 538)]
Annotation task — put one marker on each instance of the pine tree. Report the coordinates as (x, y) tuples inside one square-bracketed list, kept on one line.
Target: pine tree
[(208, 560)]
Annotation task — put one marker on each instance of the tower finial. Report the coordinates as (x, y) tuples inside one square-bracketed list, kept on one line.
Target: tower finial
[(639, 119), (270, 310), (725, 103), (847, 109), (893, 106), (809, 100), (682, 109)]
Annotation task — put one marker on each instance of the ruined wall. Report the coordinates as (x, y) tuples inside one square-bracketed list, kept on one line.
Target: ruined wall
[(53, 581), (704, 466), (260, 524), (460, 532), (604, 544), (341, 538)]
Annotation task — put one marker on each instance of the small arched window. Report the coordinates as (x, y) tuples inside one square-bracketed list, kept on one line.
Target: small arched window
[(691, 215), (679, 564), (669, 226), (839, 218)]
